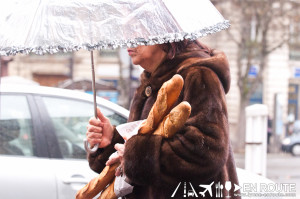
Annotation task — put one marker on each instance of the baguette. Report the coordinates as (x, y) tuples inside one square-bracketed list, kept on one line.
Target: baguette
[(174, 121), (166, 97), (98, 183), (109, 193)]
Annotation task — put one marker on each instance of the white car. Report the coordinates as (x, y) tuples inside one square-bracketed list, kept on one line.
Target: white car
[(41, 140), (291, 143)]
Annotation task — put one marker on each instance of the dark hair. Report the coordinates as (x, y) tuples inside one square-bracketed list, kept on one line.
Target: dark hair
[(176, 48)]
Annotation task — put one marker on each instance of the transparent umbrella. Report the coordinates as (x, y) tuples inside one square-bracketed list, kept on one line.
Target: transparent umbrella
[(52, 26)]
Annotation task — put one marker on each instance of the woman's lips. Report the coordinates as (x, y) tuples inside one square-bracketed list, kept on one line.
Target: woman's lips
[(130, 51)]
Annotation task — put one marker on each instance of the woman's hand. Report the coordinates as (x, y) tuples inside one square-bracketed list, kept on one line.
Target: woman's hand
[(117, 157), (99, 131)]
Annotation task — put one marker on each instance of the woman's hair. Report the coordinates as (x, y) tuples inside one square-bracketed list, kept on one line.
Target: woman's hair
[(176, 48)]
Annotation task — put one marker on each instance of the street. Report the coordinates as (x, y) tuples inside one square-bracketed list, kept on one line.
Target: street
[(281, 168)]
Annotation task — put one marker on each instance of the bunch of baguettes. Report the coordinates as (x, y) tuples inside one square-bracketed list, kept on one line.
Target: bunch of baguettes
[(162, 120)]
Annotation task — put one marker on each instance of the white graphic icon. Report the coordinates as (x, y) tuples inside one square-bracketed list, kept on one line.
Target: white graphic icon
[(192, 192), (228, 187), (219, 188), (207, 188), (188, 193), (236, 187)]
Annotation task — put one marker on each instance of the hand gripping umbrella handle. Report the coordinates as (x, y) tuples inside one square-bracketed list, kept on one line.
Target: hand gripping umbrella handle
[(86, 144)]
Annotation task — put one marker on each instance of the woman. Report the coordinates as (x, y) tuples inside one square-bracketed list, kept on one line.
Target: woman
[(200, 152)]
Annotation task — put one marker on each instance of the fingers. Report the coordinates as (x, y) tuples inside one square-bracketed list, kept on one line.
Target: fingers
[(101, 116), (99, 130), (94, 134), (98, 121), (120, 148), (118, 155), (94, 129), (95, 125), (119, 170), (113, 159), (95, 122), (94, 140)]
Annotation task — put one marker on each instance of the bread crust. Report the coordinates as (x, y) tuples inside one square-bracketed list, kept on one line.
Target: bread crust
[(109, 193), (98, 183), (166, 97), (174, 121)]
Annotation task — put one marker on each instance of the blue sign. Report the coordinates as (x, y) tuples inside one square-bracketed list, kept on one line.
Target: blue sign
[(297, 72), (253, 71), (109, 95)]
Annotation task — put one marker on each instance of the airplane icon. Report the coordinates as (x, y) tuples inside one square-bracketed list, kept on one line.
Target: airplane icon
[(207, 188)]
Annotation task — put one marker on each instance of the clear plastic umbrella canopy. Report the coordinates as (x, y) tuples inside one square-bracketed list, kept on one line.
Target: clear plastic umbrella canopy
[(51, 26)]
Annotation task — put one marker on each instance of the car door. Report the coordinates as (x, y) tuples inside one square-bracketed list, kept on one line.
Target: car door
[(69, 118), (25, 170)]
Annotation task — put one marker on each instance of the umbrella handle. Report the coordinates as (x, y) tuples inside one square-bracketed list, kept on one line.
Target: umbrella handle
[(88, 148)]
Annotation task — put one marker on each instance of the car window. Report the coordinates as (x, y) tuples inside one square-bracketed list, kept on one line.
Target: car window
[(70, 118), (15, 126)]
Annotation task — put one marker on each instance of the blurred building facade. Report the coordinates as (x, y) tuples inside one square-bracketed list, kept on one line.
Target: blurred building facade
[(279, 89), (113, 70)]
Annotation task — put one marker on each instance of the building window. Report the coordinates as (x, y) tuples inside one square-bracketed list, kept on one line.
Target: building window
[(294, 42)]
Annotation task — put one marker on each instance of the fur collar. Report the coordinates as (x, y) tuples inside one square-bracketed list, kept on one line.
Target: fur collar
[(215, 60)]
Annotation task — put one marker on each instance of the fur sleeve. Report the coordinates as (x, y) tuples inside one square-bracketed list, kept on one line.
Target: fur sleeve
[(141, 159), (198, 151), (97, 160)]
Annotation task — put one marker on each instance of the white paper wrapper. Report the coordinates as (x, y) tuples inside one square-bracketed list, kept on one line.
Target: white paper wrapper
[(126, 130), (130, 129), (122, 188)]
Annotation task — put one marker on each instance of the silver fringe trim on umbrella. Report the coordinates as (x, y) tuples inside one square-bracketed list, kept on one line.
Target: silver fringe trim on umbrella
[(168, 38)]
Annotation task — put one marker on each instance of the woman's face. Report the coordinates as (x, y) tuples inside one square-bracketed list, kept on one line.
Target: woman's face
[(148, 57)]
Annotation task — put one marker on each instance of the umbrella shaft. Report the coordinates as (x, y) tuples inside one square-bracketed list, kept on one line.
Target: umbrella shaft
[(93, 84)]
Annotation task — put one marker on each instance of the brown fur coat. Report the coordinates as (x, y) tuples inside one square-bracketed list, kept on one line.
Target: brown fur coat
[(200, 153)]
